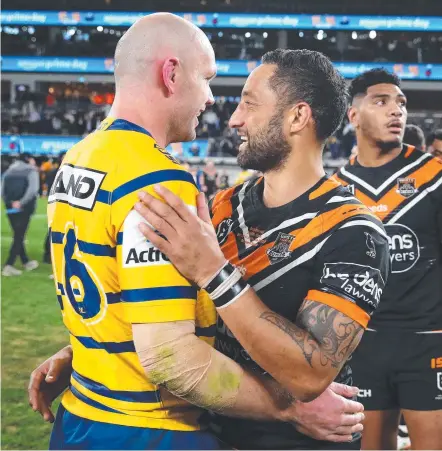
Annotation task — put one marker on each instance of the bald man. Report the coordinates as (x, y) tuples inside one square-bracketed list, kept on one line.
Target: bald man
[(119, 294)]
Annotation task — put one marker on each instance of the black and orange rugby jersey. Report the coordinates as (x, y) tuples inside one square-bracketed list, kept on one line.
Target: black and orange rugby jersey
[(324, 246), (406, 194)]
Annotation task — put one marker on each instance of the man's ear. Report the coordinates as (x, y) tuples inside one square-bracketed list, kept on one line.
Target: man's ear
[(168, 72), (299, 116), (353, 116)]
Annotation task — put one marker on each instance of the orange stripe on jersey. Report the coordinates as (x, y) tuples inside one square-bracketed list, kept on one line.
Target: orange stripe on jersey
[(258, 260), (393, 199), (352, 160), (259, 181), (344, 306), (323, 223), (367, 201), (409, 151), (223, 196), (327, 186), (221, 206), (230, 249)]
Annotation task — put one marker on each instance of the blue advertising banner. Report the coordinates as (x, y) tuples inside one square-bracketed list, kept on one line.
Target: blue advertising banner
[(52, 145), (222, 20), (225, 67)]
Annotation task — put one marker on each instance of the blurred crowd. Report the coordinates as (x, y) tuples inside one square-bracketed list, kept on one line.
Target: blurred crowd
[(71, 112), (242, 44)]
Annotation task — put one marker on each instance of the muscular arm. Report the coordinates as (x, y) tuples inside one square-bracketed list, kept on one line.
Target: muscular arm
[(305, 356), (325, 336)]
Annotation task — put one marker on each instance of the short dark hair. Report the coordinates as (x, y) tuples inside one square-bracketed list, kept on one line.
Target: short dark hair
[(308, 76), (436, 134), (361, 83), (415, 136), (24, 156)]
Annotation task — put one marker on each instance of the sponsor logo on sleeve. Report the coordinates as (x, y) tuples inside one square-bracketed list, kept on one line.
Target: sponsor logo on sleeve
[(404, 247), (136, 250), (280, 250), (357, 282), (406, 187), (76, 186)]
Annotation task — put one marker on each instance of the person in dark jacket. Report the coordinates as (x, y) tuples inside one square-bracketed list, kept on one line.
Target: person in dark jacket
[(20, 192), (50, 179)]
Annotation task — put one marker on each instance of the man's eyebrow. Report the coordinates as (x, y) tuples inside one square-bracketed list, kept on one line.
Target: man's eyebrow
[(246, 93), (386, 96)]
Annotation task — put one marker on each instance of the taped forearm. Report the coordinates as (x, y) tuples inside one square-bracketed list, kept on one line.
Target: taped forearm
[(189, 368)]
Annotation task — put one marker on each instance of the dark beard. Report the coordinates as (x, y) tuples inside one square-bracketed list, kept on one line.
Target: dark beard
[(268, 150), (387, 146)]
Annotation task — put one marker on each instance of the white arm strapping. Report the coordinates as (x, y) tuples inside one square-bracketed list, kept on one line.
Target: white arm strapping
[(174, 357)]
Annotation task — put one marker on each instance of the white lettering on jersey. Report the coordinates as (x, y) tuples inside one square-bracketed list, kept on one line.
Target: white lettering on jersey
[(137, 251), (76, 186), (358, 281)]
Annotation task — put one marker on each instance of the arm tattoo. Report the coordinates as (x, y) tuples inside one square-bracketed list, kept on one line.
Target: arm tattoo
[(321, 332)]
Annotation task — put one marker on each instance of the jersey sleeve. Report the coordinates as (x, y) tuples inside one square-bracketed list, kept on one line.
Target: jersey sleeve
[(351, 270), (152, 290)]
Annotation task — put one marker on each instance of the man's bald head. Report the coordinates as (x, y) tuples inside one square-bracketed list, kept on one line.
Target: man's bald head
[(154, 38), (163, 66)]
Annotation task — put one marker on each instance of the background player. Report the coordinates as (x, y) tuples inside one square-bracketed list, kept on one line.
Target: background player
[(434, 143), (113, 286), (317, 258), (414, 136), (396, 363)]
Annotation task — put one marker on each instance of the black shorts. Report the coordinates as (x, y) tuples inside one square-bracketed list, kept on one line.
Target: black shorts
[(399, 370)]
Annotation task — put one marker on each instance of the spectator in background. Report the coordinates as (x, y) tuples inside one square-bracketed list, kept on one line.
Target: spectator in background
[(50, 179), (211, 119), (46, 166), (195, 150), (244, 175), (348, 139), (208, 179), (20, 186), (334, 147), (434, 143), (223, 180), (415, 137)]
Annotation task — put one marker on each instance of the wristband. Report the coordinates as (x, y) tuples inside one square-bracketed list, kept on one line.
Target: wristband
[(231, 295), (227, 270), (226, 286)]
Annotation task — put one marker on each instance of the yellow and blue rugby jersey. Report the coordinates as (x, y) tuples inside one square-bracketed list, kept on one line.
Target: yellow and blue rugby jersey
[(108, 276)]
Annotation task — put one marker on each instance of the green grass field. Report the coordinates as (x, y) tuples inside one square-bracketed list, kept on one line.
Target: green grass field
[(32, 330)]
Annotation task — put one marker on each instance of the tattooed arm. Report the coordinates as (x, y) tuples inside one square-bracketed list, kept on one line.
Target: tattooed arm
[(325, 336), (305, 356)]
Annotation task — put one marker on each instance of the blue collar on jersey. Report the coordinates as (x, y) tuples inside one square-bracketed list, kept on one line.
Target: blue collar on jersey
[(122, 124)]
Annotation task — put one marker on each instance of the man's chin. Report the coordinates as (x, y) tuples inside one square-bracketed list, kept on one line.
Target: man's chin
[(390, 144)]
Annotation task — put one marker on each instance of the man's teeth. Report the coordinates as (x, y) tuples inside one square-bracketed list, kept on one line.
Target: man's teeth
[(244, 138)]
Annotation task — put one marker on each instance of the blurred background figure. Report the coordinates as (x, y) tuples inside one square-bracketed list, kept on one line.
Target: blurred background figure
[(50, 179), (434, 143), (20, 187), (208, 179), (414, 136)]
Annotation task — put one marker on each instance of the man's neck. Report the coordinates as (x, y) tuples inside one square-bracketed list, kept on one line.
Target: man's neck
[(300, 173), (371, 155), (152, 123)]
